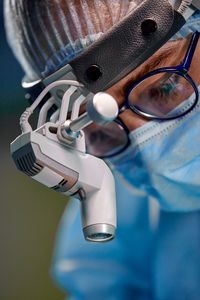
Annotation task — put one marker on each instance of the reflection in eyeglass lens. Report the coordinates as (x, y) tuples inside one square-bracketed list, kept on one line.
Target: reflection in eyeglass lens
[(160, 94)]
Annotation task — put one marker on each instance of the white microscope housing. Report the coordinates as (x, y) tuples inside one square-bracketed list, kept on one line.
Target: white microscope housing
[(47, 156)]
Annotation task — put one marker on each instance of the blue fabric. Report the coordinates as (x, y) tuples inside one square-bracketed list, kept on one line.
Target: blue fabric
[(176, 259), (141, 263)]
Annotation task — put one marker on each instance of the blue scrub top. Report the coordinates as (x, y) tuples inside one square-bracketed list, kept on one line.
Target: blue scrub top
[(155, 254)]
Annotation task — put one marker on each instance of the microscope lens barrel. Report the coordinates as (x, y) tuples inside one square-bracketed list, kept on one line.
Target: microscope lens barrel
[(99, 233)]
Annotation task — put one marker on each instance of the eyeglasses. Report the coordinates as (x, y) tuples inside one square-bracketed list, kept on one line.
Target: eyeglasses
[(163, 94)]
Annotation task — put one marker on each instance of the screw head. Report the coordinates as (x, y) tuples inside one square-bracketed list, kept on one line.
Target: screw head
[(148, 27), (93, 73)]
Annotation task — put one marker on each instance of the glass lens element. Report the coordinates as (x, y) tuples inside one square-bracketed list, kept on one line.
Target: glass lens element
[(164, 95), (107, 140)]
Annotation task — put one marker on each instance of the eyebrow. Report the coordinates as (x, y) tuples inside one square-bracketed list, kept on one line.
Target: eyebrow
[(157, 60)]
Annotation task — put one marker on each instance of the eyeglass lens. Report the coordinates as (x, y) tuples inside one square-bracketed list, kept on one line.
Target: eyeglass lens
[(164, 95)]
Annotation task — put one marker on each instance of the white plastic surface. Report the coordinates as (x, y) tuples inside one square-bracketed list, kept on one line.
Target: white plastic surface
[(48, 177), (106, 106), (102, 109), (95, 178)]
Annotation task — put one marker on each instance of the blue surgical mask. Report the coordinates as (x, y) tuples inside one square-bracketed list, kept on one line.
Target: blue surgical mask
[(163, 160)]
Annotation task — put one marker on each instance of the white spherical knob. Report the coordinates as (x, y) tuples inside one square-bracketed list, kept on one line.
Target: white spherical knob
[(103, 108)]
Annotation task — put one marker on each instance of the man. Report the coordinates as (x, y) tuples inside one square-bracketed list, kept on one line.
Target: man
[(152, 256)]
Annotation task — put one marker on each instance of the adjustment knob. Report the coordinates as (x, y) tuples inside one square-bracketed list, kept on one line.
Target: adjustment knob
[(102, 109)]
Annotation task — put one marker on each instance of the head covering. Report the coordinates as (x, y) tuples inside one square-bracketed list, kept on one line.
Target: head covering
[(45, 35), (192, 25)]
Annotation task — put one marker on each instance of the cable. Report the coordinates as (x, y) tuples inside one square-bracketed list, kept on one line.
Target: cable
[(24, 124)]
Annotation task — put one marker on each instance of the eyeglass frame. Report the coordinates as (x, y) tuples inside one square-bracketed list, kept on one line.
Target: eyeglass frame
[(181, 70)]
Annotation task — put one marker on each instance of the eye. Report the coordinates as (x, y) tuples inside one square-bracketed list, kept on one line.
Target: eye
[(154, 93), (93, 137)]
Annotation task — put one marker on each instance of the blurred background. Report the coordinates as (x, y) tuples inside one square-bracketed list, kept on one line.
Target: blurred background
[(30, 213)]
